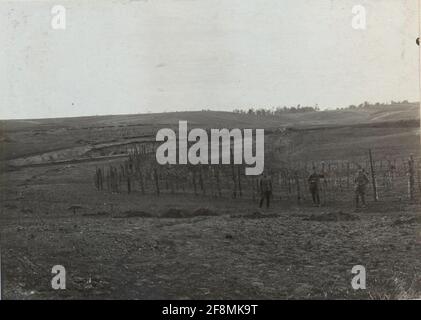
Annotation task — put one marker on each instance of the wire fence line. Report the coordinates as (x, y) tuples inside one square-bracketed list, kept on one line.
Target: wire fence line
[(390, 179)]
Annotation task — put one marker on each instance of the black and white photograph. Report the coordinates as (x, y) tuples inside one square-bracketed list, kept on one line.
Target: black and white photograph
[(224, 150)]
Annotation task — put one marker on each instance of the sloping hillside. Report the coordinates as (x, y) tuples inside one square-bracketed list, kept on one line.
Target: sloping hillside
[(23, 138)]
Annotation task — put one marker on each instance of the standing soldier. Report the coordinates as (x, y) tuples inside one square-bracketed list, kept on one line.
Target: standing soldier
[(313, 183), (387, 180), (265, 190), (361, 182)]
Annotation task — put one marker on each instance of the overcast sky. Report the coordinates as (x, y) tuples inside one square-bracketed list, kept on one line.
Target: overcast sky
[(166, 55)]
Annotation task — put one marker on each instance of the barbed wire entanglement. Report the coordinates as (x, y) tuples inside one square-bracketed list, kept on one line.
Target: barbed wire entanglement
[(397, 179)]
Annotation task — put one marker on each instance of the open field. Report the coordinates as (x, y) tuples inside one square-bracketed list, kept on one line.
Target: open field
[(23, 138), (178, 245)]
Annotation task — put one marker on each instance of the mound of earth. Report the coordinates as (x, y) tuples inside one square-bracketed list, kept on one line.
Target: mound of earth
[(96, 214), (402, 221), (256, 215), (204, 212), (137, 214), (176, 213), (183, 213), (332, 216)]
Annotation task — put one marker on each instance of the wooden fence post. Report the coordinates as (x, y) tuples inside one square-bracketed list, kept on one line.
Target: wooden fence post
[(142, 187), (194, 181), (240, 191), (418, 177), (129, 185), (324, 184), (210, 177), (167, 182), (202, 185), (234, 192), (156, 181), (411, 177), (171, 176), (373, 176), (347, 175), (297, 181), (218, 184)]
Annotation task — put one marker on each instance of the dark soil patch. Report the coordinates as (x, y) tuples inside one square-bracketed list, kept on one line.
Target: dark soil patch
[(96, 214), (256, 215), (332, 216), (10, 206), (204, 212), (136, 214), (183, 213), (176, 213), (403, 221)]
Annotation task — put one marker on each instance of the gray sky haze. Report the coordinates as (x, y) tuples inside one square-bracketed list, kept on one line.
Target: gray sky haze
[(125, 56)]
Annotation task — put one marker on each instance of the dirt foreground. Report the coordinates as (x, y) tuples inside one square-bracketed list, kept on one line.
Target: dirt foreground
[(124, 246)]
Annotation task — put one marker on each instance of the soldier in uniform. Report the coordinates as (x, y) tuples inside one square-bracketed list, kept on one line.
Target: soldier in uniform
[(361, 182), (313, 184), (265, 185)]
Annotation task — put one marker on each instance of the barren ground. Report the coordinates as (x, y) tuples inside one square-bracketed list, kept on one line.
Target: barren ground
[(126, 246), (181, 246)]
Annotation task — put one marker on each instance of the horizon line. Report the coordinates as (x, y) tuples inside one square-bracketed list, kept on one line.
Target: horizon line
[(321, 109)]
